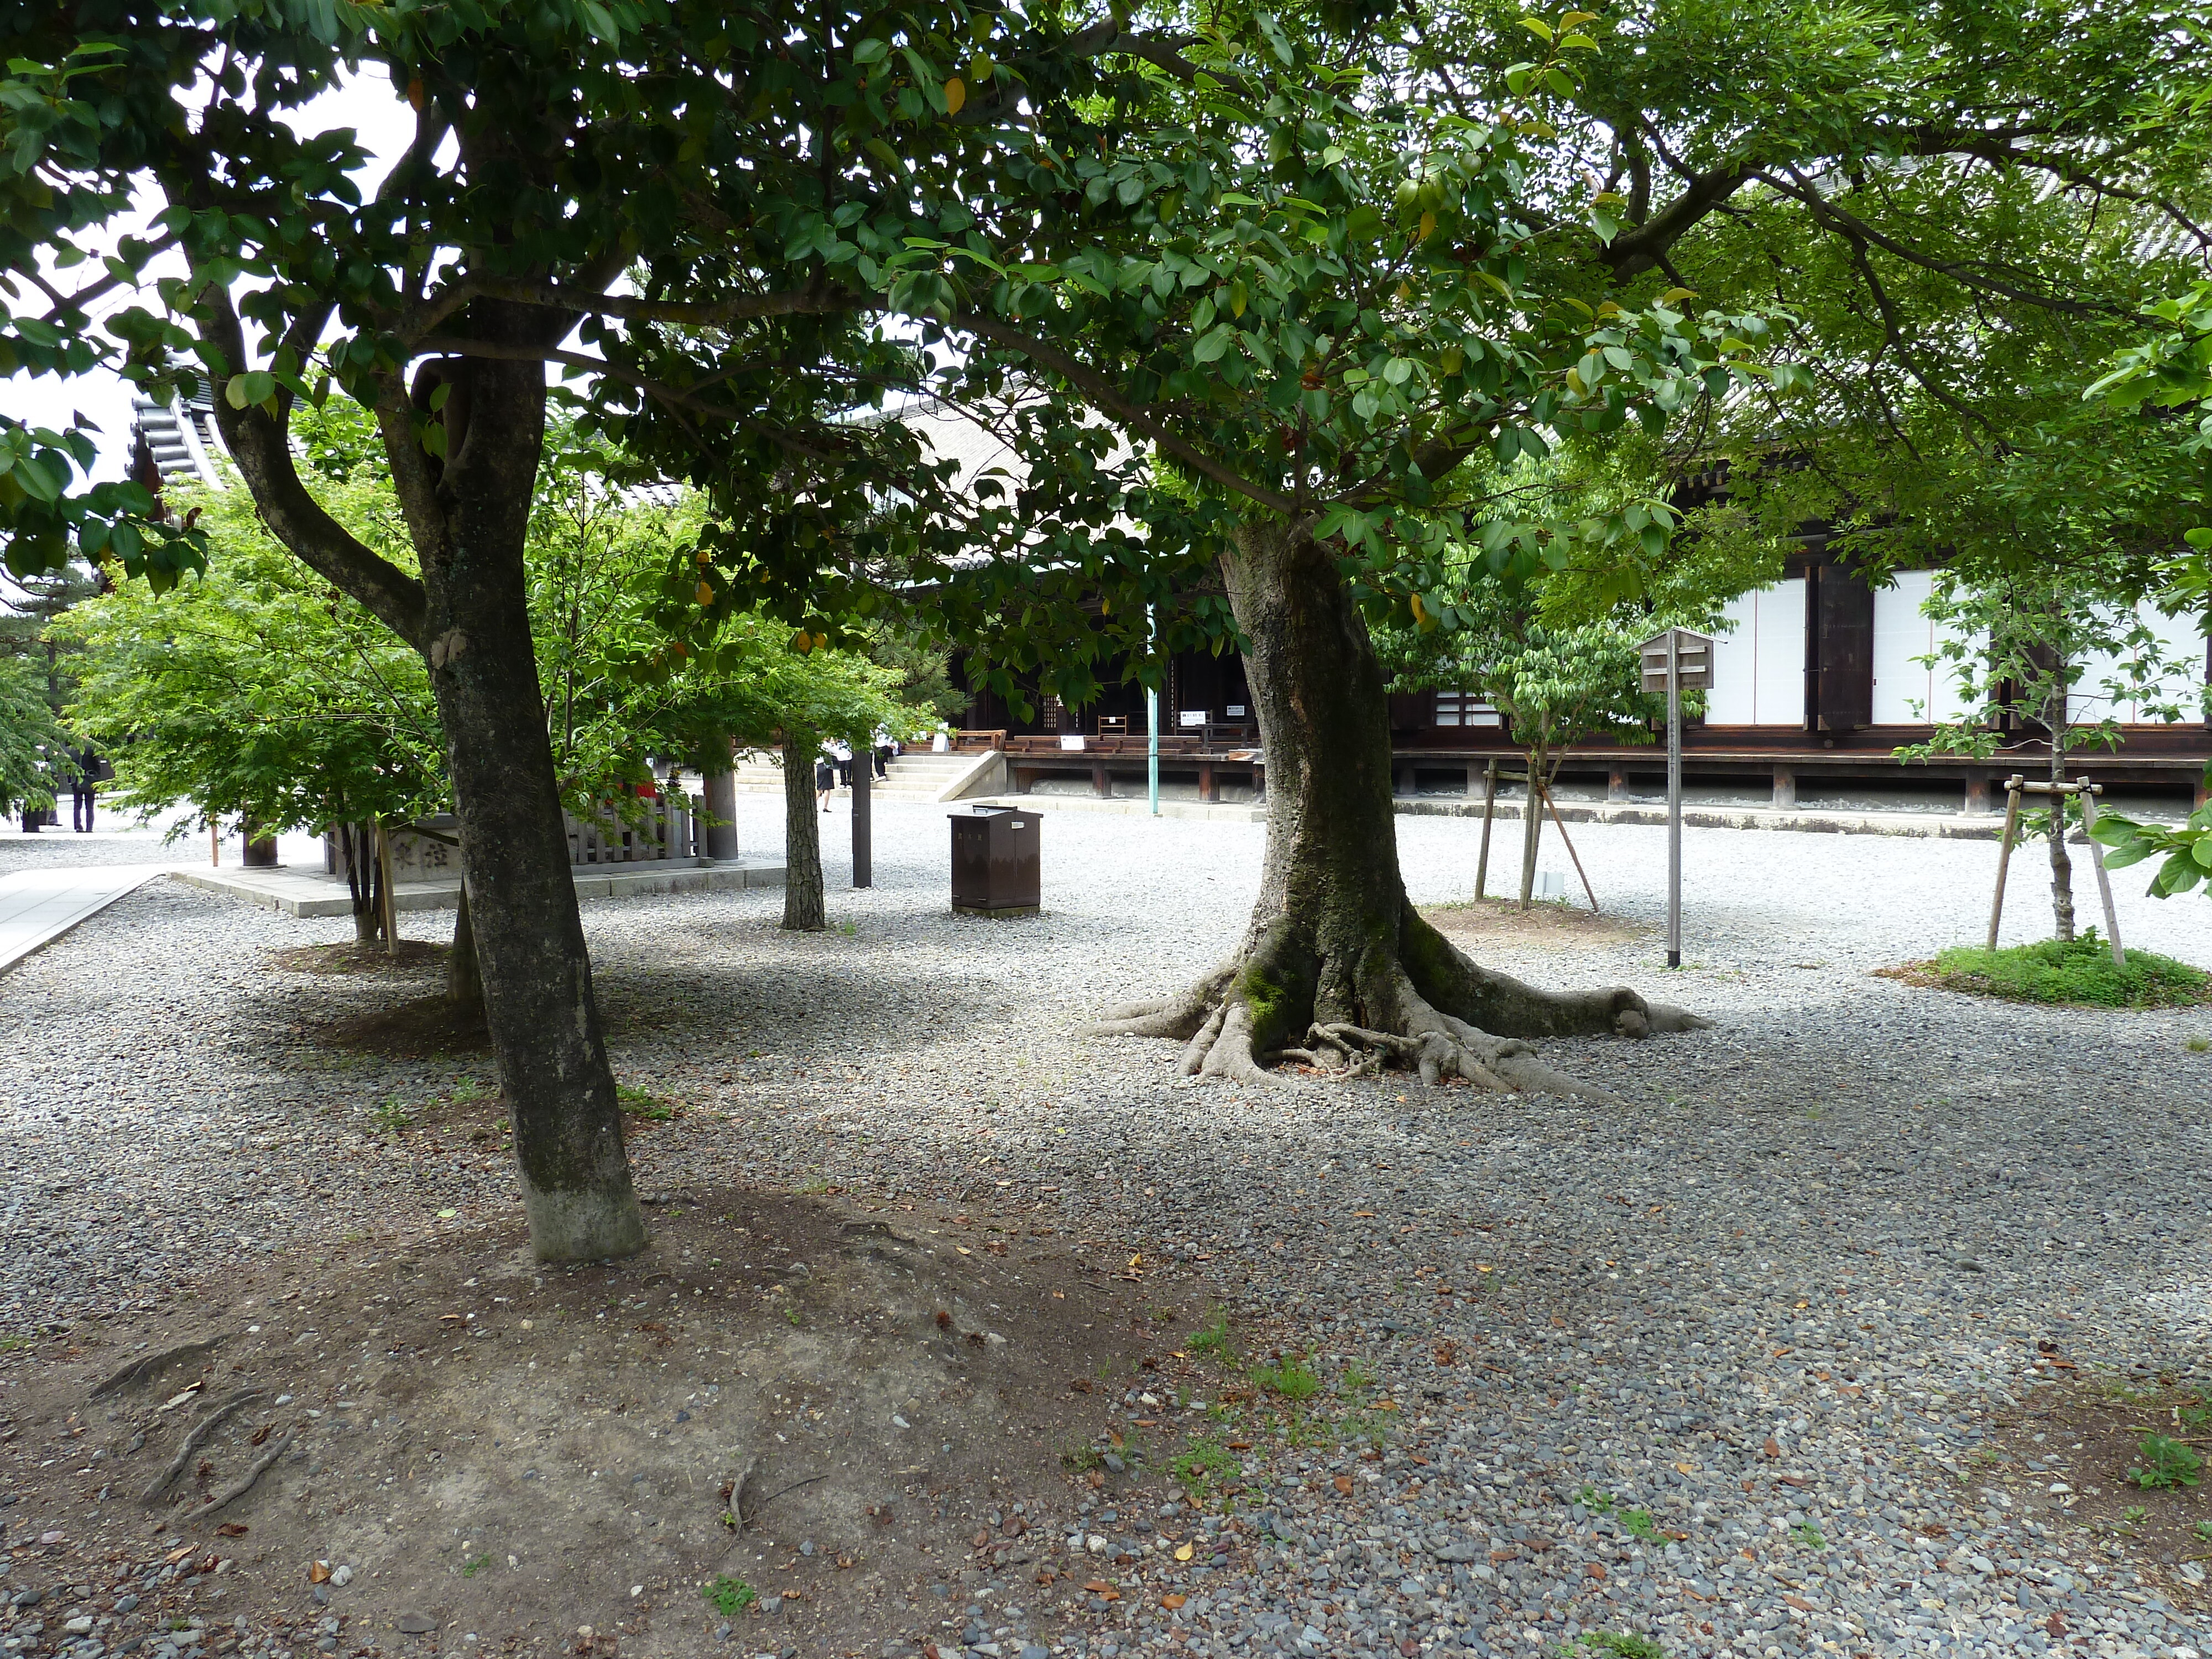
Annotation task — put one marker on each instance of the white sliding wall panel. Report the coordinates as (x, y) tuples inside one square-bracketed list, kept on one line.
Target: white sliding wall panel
[(1736, 664), (1759, 659), (1904, 689), (2183, 646), (1781, 678)]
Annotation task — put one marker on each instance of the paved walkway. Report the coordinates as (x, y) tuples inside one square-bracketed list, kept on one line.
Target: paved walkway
[(38, 906)]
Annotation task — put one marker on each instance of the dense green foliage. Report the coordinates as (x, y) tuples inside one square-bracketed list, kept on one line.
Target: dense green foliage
[(34, 763), (255, 690), (2074, 972), (2185, 849)]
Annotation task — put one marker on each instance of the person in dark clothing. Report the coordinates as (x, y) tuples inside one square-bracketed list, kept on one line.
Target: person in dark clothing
[(82, 799), (825, 777)]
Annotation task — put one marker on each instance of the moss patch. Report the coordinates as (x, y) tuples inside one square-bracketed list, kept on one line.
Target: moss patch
[(2076, 975)]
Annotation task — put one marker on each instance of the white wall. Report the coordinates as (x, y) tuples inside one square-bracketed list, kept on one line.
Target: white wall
[(2180, 642), (1904, 690), (1759, 659)]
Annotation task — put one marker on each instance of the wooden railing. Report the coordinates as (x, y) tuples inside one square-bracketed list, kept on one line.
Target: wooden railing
[(669, 831)]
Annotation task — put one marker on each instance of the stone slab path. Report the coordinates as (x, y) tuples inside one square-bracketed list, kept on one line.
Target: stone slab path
[(38, 906)]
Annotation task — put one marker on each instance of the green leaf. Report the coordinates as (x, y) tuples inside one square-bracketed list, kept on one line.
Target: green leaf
[(1213, 343), (1537, 26)]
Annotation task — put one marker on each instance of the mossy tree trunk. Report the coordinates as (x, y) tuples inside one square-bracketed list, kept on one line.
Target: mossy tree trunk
[(1334, 960)]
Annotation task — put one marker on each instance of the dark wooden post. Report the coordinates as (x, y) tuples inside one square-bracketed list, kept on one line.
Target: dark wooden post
[(864, 862), (1977, 793), (1616, 784), (1785, 788), (1207, 790), (720, 790)]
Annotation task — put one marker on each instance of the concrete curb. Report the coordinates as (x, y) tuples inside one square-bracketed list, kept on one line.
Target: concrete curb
[(299, 893), (1927, 825)]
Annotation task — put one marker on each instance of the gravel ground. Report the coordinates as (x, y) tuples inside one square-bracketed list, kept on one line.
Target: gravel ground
[(1772, 1306)]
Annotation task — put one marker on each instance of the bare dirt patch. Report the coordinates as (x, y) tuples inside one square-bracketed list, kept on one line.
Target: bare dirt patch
[(353, 956), (2072, 1448), (1552, 926), (834, 1416)]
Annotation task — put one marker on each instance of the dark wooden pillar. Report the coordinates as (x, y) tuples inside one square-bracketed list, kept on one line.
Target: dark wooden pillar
[(1098, 781), (1616, 783), (1785, 788), (1977, 793), (1207, 788), (720, 790)]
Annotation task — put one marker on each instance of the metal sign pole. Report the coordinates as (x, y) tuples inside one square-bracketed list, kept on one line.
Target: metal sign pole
[(1151, 729), (1674, 797)]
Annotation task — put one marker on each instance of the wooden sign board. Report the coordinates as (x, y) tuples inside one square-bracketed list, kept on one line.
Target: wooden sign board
[(1694, 659)]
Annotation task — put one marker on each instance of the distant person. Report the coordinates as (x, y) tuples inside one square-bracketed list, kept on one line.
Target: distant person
[(81, 795), (825, 779), (884, 746), (841, 752)]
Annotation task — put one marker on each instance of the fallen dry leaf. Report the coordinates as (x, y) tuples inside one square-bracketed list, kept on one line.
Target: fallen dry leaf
[(1184, 1553), (1800, 1603), (1173, 1602), (1101, 1590), (232, 1529), (1684, 1468), (1771, 1449), (1343, 1484), (1596, 1569), (318, 1572)]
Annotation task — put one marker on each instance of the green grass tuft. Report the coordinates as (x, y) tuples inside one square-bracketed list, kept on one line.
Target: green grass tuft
[(728, 1596), (2081, 973), (2167, 1464)]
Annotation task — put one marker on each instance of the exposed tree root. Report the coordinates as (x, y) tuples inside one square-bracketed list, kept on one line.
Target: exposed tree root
[(239, 1487), (1424, 1006), (139, 1369), (200, 1430)]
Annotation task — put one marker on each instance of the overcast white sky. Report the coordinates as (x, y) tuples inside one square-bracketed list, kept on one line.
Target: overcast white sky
[(379, 116)]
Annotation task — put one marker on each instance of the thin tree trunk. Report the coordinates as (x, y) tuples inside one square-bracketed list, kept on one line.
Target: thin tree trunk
[(539, 1002), (361, 883), (803, 910), (463, 977), (389, 906), (2061, 862), (1333, 947), (1532, 826)]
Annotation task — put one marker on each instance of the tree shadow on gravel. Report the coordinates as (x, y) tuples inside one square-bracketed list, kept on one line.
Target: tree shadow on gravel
[(360, 1007)]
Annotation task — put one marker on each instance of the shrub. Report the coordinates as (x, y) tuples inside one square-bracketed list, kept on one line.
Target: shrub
[(2080, 972)]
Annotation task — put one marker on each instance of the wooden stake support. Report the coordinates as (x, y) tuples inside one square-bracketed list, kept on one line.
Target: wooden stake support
[(2016, 787), (1559, 824), (1489, 804), (2004, 854)]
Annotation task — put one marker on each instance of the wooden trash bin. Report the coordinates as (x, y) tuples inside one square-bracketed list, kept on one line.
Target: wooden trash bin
[(994, 862)]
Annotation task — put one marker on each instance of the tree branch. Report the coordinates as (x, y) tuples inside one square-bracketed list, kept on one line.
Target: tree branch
[(258, 441), (1102, 393), (809, 301)]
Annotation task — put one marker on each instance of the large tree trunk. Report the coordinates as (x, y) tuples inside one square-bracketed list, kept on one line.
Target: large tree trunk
[(803, 910), (529, 937), (1335, 964)]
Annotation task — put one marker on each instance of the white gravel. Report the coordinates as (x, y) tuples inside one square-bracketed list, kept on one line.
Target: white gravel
[(1841, 1220)]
